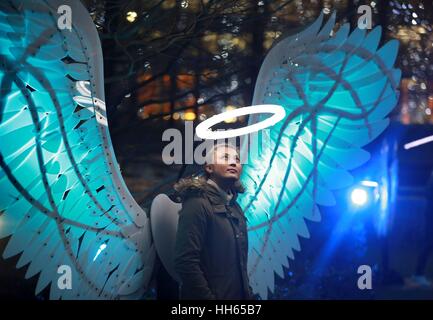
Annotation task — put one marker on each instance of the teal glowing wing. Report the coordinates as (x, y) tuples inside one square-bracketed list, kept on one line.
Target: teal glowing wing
[(63, 201), (337, 92)]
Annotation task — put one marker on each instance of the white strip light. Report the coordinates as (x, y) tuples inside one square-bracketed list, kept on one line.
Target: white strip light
[(101, 248), (418, 142), (203, 130), (369, 183)]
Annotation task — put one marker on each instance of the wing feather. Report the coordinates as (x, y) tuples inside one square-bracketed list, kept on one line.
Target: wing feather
[(337, 91), (65, 201)]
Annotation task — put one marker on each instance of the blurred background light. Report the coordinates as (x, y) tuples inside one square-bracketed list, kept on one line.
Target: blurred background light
[(131, 16)]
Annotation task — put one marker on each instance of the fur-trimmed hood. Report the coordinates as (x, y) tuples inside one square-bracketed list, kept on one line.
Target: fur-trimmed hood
[(197, 186)]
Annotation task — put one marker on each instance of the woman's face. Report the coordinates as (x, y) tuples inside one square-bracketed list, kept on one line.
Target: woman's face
[(226, 164)]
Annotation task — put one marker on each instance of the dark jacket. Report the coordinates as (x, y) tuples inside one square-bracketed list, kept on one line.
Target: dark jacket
[(211, 244)]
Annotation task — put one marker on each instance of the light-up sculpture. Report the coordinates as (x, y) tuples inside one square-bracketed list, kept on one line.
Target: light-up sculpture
[(62, 196), (63, 199), (337, 92)]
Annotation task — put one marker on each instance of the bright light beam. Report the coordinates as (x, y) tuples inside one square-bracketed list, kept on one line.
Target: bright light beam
[(418, 142), (369, 183)]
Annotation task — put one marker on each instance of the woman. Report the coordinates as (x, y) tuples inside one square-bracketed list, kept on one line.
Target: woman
[(211, 249)]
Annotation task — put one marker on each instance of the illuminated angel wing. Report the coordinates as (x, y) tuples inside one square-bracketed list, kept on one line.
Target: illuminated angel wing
[(63, 200), (337, 92)]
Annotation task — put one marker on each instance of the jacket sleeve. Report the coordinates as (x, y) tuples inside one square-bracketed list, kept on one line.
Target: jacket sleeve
[(190, 240)]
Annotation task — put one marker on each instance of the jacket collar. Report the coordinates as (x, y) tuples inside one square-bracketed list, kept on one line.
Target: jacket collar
[(199, 186), (219, 198), (223, 196)]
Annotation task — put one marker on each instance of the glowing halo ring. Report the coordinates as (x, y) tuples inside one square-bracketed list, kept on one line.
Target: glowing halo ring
[(203, 129)]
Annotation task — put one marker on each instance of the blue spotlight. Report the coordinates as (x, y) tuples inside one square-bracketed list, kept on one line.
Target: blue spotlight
[(359, 197)]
